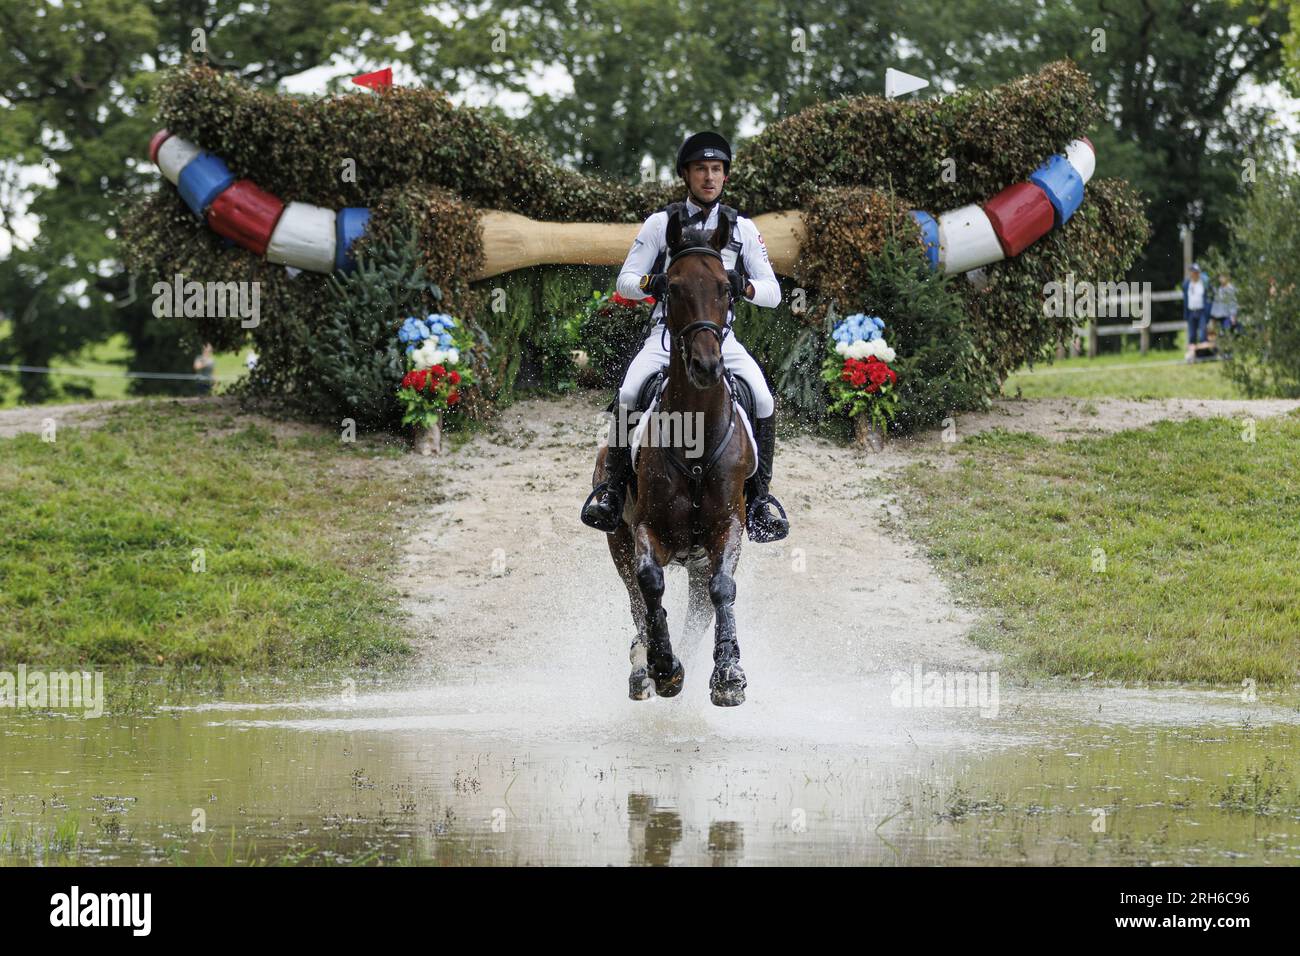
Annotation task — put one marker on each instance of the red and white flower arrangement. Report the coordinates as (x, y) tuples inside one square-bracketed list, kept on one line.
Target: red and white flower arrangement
[(858, 373), (434, 377)]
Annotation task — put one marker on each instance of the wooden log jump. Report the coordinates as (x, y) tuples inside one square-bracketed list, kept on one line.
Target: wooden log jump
[(513, 242)]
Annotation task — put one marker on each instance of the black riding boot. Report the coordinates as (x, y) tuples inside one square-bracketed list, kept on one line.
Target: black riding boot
[(603, 509), (760, 522)]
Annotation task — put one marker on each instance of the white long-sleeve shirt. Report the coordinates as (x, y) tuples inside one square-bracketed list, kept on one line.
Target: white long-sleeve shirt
[(653, 239)]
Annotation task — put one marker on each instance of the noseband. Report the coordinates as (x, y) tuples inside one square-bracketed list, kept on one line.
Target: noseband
[(684, 334)]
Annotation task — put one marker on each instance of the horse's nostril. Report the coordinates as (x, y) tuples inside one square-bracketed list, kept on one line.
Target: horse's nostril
[(704, 370)]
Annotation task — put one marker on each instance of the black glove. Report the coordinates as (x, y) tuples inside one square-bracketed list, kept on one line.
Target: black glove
[(656, 285), (738, 284)]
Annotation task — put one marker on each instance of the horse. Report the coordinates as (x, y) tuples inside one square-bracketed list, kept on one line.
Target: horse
[(688, 512)]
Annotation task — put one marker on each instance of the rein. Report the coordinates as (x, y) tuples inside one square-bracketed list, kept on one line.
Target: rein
[(695, 474)]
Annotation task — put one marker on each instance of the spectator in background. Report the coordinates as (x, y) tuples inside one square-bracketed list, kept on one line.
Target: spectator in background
[(1224, 307), (204, 365), (1195, 309)]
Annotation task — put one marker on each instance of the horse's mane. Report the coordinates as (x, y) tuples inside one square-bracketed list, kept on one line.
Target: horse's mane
[(693, 238)]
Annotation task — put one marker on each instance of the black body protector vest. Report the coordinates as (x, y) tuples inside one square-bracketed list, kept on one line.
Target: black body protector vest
[(698, 219)]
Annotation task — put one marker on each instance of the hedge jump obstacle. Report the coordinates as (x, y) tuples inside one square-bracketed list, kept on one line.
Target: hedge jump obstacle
[(316, 239)]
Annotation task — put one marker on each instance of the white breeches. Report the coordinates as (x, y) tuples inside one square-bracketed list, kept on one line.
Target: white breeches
[(653, 356)]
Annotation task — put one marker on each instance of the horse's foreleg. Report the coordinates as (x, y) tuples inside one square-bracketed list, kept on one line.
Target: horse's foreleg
[(623, 550), (699, 607), (727, 682), (662, 666)]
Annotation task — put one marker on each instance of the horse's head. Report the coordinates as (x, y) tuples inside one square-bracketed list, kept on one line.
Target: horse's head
[(699, 298)]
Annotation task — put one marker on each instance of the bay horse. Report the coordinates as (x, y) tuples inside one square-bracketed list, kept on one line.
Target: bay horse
[(688, 511)]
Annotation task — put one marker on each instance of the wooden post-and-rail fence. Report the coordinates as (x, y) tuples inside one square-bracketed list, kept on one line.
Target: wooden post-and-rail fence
[(1093, 330)]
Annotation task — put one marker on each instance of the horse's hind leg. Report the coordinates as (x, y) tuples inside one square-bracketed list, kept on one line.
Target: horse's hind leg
[(623, 550), (662, 665), (727, 682)]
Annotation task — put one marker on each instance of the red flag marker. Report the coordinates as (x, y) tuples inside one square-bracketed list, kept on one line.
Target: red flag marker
[(376, 80)]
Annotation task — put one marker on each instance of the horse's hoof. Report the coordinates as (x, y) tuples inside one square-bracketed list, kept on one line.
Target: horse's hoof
[(727, 685), (671, 684), (639, 685)]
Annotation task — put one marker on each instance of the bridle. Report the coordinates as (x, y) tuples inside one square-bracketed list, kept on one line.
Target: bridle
[(695, 474), (684, 334)]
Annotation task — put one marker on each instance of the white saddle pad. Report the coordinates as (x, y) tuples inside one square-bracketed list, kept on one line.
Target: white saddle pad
[(672, 431)]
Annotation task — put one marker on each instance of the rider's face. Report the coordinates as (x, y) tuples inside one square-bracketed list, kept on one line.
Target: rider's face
[(705, 178)]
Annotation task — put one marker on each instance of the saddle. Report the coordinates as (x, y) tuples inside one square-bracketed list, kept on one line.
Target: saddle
[(653, 385), (648, 399)]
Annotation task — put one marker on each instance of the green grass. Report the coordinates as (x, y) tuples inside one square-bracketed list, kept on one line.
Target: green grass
[(38, 843), (1129, 374), (98, 533), (1197, 527), (111, 355)]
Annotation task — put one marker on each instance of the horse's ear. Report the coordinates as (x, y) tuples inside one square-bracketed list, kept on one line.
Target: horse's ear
[(674, 230), (722, 234)]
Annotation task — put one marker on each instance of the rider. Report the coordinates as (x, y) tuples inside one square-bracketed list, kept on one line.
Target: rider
[(704, 162)]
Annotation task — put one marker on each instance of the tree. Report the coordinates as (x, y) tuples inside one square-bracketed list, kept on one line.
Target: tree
[(75, 84), (646, 73), (1291, 45), (61, 82), (1263, 261), (1170, 74), (76, 79)]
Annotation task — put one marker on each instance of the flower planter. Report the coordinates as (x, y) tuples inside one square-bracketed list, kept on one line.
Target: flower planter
[(866, 435), (431, 387), (428, 439)]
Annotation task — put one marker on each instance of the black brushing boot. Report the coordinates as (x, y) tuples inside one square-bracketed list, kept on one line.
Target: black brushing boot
[(760, 522), (603, 509)]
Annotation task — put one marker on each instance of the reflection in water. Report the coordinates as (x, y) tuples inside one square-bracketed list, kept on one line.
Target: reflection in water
[(726, 842), (508, 773), (651, 833)]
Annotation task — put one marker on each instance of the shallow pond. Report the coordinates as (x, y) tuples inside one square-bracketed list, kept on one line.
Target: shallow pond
[(504, 769)]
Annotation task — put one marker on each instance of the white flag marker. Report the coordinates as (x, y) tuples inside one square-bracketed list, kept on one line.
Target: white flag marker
[(898, 83)]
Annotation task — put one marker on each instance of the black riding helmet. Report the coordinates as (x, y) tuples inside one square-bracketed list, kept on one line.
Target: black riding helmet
[(705, 145)]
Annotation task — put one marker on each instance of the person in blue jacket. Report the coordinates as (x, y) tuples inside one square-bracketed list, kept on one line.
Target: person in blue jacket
[(1224, 305)]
